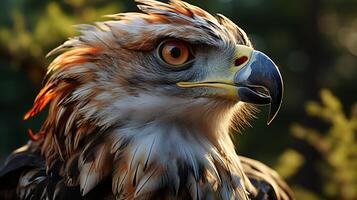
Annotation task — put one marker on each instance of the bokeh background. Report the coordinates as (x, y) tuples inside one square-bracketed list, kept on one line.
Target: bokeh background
[(312, 142)]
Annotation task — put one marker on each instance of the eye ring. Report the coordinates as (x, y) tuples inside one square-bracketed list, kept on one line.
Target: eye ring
[(175, 53)]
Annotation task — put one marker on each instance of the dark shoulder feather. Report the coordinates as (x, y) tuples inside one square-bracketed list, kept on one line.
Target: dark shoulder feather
[(20, 160), (24, 176), (268, 184)]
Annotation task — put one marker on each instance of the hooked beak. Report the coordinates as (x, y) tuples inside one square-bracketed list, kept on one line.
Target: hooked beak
[(252, 78)]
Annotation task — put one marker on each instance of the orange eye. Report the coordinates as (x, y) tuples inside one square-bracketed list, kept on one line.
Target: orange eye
[(174, 52)]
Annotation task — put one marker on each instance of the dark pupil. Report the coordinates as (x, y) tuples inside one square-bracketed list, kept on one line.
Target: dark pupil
[(175, 52)]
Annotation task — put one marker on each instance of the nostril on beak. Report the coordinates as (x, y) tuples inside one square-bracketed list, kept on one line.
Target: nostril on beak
[(239, 61)]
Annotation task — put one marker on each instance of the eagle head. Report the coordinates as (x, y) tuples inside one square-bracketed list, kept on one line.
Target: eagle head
[(146, 100)]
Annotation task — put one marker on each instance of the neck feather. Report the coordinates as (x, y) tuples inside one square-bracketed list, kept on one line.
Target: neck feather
[(190, 150)]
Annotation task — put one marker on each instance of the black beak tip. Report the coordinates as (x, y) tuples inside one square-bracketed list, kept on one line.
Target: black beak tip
[(272, 113), (275, 102)]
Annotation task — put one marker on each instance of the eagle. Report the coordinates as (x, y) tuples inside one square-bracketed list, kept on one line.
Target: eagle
[(142, 106)]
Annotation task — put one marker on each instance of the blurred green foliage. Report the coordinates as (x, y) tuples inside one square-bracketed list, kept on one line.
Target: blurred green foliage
[(313, 41), (337, 146), (29, 35)]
